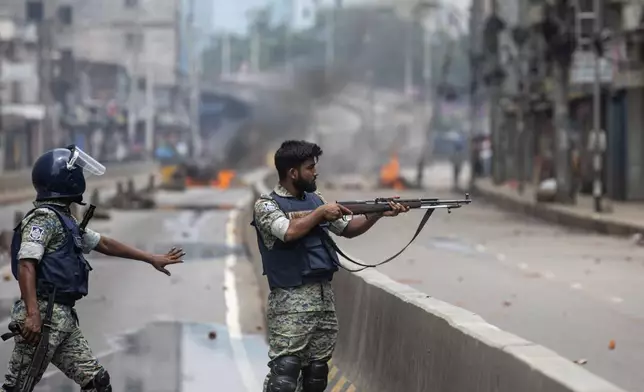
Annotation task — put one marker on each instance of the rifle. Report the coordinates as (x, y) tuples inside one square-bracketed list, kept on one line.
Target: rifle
[(38, 362), (86, 218), (379, 205)]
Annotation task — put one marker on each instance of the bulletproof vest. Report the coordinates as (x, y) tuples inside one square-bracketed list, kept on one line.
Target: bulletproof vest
[(306, 260), (66, 267)]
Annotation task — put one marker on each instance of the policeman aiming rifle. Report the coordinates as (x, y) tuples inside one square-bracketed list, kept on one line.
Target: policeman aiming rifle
[(47, 260), (299, 259)]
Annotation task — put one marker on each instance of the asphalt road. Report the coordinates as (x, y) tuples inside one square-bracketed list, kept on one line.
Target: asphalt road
[(570, 291), (153, 332)]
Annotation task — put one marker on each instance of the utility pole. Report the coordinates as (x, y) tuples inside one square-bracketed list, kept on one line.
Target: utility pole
[(194, 83), (597, 140), (436, 112), (597, 107), (48, 137), (134, 57), (562, 48), (225, 53), (409, 67), (150, 112), (521, 36), (498, 160), (255, 51), (427, 78), (3, 146), (475, 56), (330, 38)]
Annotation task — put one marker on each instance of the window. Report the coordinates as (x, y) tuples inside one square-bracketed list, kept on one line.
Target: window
[(34, 11), (16, 92), (133, 41), (65, 14)]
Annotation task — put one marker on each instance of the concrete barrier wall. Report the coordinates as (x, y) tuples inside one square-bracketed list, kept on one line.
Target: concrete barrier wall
[(394, 338), (16, 187), (22, 179)]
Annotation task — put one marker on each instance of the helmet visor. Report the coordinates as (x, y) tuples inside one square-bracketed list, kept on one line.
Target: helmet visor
[(83, 160)]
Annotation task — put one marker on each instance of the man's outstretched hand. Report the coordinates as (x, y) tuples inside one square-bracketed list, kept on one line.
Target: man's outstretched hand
[(159, 262)]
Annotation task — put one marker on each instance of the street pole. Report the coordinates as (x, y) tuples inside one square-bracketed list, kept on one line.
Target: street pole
[(225, 56), (48, 136), (150, 113), (598, 138), (436, 112), (475, 49), (409, 69), (194, 84), (330, 39), (254, 51), (134, 74), (498, 160), (520, 150), (427, 78), (3, 146)]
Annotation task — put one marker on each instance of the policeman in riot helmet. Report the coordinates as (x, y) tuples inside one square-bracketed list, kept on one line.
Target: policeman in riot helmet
[(47, 259)]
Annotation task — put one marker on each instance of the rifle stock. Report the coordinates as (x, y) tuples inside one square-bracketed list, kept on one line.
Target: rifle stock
[(378, 205)]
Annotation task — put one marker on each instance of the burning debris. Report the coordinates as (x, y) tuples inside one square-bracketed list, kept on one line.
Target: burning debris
[(390, 176)]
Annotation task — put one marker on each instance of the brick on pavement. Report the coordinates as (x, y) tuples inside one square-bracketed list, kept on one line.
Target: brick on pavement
[(624, 219)]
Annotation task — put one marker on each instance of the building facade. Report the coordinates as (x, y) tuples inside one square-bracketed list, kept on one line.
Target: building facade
[(622, 94)]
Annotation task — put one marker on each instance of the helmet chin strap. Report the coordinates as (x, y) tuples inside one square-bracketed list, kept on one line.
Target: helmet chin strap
[(79, 200)]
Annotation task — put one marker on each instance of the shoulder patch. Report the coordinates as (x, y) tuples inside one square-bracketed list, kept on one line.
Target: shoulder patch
[(36, 233)]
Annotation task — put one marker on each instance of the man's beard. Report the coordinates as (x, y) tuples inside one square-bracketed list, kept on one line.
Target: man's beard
[(305, 186)]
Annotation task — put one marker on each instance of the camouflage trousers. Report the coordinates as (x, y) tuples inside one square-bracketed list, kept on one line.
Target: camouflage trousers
[(69, 351), (310, 336)]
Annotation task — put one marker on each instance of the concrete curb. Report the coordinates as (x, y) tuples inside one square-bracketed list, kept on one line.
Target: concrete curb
[(395, 338), (554, 213)]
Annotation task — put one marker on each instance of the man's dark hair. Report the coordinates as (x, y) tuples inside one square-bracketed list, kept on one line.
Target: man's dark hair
[(293, 153)]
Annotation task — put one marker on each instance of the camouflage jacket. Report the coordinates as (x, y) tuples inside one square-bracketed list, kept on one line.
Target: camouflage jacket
[(42, 233)]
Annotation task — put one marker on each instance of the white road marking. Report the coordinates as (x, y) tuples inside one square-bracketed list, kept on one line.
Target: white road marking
[(523, 266), (480, 248), (500, 257), (576, 286), (232, 307), (617, 300), (549, 275)]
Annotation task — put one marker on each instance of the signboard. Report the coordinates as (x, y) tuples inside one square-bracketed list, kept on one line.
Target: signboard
[(582, 70)]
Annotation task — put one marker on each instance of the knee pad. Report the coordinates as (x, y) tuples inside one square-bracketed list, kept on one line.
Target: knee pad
[(315, 377), (101, 382), (284, 374)]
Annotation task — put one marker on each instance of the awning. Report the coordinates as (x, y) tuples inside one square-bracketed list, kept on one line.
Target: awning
[(26, 111)]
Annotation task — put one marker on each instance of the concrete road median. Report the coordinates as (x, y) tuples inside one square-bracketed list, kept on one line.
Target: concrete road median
[(16, 186), (395, 338)]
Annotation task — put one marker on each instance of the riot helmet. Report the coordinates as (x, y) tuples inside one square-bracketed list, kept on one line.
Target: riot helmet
[(59, 174)]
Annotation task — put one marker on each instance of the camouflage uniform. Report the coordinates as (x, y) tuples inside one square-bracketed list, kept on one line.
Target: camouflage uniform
[(69, 351), (301, 320)]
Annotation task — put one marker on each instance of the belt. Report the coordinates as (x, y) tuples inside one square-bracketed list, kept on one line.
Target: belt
[(60, 299)]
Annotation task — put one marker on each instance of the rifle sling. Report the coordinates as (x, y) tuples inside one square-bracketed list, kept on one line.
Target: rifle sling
[(329, 242)]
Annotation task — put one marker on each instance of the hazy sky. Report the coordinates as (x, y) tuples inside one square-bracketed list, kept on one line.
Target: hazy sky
[(230, 14)]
